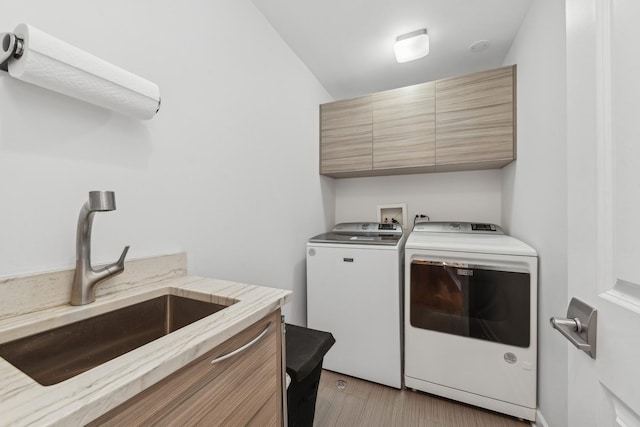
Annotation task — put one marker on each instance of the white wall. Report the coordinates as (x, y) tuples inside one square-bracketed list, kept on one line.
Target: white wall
[(534, 206), (452, 196), (227, 171)]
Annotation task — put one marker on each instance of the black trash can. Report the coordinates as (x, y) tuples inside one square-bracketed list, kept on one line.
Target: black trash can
[(305, 350)]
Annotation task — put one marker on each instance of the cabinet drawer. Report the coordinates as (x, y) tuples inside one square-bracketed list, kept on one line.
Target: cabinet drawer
[(230, 392)]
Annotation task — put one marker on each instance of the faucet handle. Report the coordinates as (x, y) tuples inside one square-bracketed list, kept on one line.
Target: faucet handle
[(120, 262), (118, 266), (123, 255)]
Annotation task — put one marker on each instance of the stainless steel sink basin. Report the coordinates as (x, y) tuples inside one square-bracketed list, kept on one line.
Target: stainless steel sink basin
[(58, 354)]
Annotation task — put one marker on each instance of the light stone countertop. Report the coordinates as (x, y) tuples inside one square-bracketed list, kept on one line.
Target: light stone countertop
[(82, 398)]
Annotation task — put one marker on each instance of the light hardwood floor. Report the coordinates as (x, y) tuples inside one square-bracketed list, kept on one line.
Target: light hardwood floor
[(363, 403)]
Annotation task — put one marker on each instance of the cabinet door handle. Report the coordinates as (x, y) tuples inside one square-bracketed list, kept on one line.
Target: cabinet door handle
[(244, 347)]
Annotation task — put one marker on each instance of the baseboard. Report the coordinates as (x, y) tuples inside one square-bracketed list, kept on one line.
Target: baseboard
[(540, 421)]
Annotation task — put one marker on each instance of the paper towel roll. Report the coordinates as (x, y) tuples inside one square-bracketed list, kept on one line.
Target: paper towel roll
[(58, 66)]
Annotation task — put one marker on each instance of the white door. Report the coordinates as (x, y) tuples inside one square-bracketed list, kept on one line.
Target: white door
[(603, 130)]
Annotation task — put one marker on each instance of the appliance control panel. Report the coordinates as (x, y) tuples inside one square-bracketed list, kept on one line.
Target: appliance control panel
[(483, 227), (370, 228), (458, 227)]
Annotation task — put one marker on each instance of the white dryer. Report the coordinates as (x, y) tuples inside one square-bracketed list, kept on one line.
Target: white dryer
[(354, 291), (471, 316)]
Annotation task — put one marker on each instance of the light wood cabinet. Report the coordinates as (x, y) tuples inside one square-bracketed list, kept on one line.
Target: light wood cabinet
[(459, 123), (475, 120), (404, 127), (345, 132), (245, 389)]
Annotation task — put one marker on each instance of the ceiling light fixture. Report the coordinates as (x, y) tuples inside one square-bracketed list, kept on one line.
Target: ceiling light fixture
[(411, 46)]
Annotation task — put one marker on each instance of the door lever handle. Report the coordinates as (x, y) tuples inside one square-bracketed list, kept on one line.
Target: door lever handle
[(572, 324), (579, 327), (570, 328)]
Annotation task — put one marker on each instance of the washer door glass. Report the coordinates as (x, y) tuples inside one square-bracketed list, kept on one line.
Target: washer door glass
[(471, 301)]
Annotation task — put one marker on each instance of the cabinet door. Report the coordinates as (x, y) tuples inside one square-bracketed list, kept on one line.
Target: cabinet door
[(404, 127), (345, 136), (242, 390), (475, 119)]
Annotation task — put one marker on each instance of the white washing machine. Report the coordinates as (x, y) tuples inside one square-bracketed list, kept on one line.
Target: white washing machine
[(354, 291), (471, 316)]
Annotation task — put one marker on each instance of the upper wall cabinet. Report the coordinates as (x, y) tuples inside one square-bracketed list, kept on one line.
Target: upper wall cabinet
[(475, 120), (460, 123), (404, 127), (345, 135)]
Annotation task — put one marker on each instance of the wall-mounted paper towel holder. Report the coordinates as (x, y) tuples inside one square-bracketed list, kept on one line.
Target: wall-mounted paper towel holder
[(12, 46), (35, 57)]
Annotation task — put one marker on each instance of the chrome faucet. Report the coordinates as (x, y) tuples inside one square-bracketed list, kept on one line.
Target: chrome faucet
[(86, 278)]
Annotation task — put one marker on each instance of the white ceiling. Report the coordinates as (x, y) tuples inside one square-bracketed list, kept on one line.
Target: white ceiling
[(348, 44)]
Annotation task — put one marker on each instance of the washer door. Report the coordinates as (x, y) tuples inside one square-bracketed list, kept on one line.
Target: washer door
[(471, 301)]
